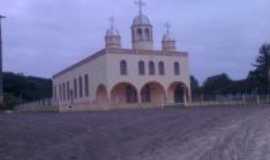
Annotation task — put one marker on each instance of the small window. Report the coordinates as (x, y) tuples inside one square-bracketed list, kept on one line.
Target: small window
[(152, 70), (80, 87), (141, 68), (123, 67), (75, 88), (60, 92), (68, 91), (161, 68), (176, 68), (64, 91), (86, 85)]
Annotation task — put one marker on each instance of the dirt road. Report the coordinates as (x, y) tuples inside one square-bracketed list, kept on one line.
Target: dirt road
[(222, 133)]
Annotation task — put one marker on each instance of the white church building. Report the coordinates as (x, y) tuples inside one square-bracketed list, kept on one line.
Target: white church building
[(117, 77)]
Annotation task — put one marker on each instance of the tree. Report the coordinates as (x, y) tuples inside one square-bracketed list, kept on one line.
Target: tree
[(27, 88), (260, 75), (195, 87), (217, 84)]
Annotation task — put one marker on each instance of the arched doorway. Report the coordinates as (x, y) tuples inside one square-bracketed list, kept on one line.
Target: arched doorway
[(102, 95), (124, 93), (177, 93), (154, 93)]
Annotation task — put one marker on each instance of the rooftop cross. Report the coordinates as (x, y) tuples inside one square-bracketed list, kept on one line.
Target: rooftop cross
[(112, 20), (168, 27), (141, 4)]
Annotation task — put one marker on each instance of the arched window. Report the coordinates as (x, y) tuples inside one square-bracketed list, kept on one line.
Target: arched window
[(152, 69), (75, 88), (64, 91), (140, 34), (68, 90), (123, 67), (176, 68), (80, 87), (60, 92), (147, 34), (161, 68), (141, 68), (86, 85)]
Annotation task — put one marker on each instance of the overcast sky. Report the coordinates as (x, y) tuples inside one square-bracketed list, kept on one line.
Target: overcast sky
[(42, 37)]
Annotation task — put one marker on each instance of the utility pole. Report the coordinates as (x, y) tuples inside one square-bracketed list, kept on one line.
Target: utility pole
[(268, 67), (1, 63)]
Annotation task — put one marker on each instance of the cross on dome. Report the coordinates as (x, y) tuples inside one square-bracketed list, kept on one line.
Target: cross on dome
[(112, 21), (140, 4), (168, 27)]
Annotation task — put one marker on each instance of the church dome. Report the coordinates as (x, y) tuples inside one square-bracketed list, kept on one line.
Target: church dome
[(112, 32), (168, 37), (141, 20)]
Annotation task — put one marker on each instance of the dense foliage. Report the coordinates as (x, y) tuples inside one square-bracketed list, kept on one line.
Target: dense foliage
[(26, 88)]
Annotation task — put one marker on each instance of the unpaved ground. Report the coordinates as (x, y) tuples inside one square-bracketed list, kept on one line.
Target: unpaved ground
[(222, 133)]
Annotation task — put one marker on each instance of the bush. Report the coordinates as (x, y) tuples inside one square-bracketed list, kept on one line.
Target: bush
[(10, 102)]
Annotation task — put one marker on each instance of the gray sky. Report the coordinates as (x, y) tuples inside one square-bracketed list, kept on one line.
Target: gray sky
[(43, 37)]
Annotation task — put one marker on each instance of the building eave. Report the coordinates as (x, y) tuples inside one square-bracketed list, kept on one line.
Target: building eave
[(120, 51), (85, 60)]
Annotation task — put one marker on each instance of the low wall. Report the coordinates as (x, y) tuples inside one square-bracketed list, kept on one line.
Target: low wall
[(107, 107), (47, 105), (36, 107)]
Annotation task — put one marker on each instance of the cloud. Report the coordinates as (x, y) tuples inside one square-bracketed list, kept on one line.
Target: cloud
[(43, 37)]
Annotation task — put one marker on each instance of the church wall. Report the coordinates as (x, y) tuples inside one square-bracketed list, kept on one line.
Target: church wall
[(96, 70), (140, 80)]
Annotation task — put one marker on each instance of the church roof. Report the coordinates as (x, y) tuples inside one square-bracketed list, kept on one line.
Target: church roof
[(120, 51)]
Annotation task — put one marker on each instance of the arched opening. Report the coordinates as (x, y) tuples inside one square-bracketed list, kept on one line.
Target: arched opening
[(147, 34), (102, 95), (177, 93), (153, 93), (124, 93), (140, 34)]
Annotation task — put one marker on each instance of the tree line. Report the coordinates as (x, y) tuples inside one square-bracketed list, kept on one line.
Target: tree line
[(19, 88), (256, 82)]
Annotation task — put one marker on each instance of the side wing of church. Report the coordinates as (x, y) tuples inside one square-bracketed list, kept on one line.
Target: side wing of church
[(116, 77)]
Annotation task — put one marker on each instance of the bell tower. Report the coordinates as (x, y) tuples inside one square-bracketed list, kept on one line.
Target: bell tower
[(168, 42), (142, 30), (112, 38)]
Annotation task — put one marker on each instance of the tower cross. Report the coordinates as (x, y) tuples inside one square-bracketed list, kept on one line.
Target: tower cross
[(112, 20), (140, 4), (168, 27)]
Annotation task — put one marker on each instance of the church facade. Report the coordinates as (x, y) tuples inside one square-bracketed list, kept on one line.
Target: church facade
[(116, 77)]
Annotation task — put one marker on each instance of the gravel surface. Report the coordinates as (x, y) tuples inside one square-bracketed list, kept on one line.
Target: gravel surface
[(210, 133)]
